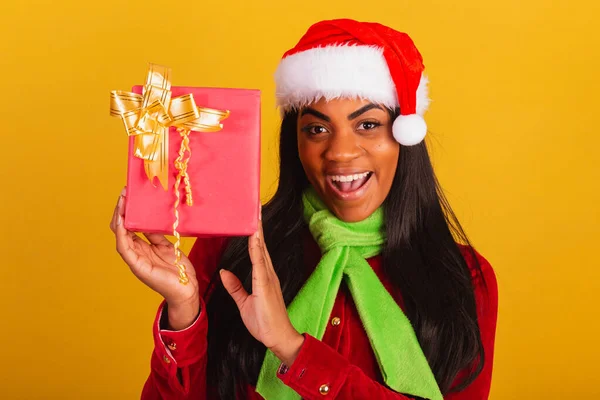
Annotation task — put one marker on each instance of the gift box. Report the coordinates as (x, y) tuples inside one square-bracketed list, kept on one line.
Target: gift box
[(223, 164)]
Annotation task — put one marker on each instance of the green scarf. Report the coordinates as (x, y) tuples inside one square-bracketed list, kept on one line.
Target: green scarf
[(345, 246)]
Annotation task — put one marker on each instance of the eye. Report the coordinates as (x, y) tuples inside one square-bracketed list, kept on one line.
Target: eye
[(314, 130), (368, 125)]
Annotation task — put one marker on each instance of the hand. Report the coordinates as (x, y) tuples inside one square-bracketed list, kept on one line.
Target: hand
[(264, 312), (153, 264)]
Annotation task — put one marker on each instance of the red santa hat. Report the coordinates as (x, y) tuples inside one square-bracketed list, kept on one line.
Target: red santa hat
[(346, 58)]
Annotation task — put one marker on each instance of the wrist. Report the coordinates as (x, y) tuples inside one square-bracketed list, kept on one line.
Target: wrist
[(289, 349), (182, 316)]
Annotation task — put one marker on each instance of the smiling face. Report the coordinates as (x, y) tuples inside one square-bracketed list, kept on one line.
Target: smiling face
[(349, 155)]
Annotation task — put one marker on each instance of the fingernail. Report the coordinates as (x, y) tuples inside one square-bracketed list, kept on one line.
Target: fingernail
[(256, 234), (118, 220), (124, 191)]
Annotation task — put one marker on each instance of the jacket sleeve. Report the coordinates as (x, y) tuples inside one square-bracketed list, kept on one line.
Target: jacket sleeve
[(178, 363), (486, 298), (319, 370)]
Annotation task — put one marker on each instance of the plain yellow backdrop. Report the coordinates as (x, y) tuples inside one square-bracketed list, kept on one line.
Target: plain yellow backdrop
[(514, 138)]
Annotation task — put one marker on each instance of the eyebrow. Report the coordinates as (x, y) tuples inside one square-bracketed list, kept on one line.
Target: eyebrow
[(350, 117), (363, 110), (316, 113)]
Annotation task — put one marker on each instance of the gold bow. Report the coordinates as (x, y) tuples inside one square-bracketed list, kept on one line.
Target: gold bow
[(149, 116)]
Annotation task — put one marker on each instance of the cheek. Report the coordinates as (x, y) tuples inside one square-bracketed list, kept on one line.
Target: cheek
[(386, 156), (309, 154)]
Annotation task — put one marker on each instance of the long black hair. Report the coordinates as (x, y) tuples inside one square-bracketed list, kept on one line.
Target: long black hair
[(421, 258)]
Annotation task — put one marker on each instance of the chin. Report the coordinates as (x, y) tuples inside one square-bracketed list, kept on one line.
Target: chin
[(353, 209), (352, 196)]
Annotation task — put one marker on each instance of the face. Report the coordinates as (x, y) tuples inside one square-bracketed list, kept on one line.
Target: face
[(349, 155)]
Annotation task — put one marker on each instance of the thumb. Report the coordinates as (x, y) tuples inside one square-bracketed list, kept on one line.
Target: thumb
[(234, 287)]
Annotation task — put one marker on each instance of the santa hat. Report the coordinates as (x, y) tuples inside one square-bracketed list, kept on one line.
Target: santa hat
[(346, 58)]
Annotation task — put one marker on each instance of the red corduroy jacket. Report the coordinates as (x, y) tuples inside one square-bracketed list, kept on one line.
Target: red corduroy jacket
[(340, 366)]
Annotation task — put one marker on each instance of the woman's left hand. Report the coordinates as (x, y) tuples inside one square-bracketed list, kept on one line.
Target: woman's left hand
[(264, 312)]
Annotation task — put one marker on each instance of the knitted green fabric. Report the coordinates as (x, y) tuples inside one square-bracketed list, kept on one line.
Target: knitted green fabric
[(345, 246)]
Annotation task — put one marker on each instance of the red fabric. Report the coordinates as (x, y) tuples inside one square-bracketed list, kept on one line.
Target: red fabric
[(343, 360), (219, 162), (403, 59)]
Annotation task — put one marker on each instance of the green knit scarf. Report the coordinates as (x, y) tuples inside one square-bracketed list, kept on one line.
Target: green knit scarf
[(345, 246)]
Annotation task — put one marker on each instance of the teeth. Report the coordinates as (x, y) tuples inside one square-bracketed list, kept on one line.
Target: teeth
[(348, 178)]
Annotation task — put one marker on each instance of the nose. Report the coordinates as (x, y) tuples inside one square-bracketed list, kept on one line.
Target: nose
[(342, 147)]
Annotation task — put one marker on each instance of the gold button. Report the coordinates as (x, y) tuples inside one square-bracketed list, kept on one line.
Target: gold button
[(335, 321), (167, 360), (324, 389), (172, 346)]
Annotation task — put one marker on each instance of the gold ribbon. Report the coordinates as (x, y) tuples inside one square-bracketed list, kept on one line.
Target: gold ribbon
[(148, 117)]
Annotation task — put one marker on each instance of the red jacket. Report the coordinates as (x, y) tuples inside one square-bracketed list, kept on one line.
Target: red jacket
[(342, 364)]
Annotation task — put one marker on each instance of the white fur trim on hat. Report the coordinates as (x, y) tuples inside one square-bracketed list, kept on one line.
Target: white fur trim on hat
[(353, 71)]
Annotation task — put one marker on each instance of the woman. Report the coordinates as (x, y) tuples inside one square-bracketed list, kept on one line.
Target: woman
[(357, 287)]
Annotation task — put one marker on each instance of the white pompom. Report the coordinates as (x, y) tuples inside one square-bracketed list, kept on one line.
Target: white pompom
[(409, 130)]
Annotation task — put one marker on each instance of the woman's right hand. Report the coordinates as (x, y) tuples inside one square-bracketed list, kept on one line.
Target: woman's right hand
[(153, 263)]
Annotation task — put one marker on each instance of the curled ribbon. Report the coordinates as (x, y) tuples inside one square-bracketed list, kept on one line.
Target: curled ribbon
[(148, 117)]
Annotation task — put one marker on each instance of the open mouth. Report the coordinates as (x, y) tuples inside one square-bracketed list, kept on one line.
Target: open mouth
[(350, 183)]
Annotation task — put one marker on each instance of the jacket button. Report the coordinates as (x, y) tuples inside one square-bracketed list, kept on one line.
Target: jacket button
[(324, 389), (335, 321), (172, 346), (166, 359)]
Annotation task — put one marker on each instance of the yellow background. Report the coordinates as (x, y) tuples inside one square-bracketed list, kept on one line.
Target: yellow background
[(514, 138)]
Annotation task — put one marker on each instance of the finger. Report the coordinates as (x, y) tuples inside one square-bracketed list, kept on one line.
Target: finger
[(263, 244), (125, 240), (266, 255), (234, 287), (113, 221), (121, 206), (157, 239), (119, 213), (260, 273)]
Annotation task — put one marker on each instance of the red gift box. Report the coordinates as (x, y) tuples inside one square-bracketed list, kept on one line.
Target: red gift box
[(224, 171)]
